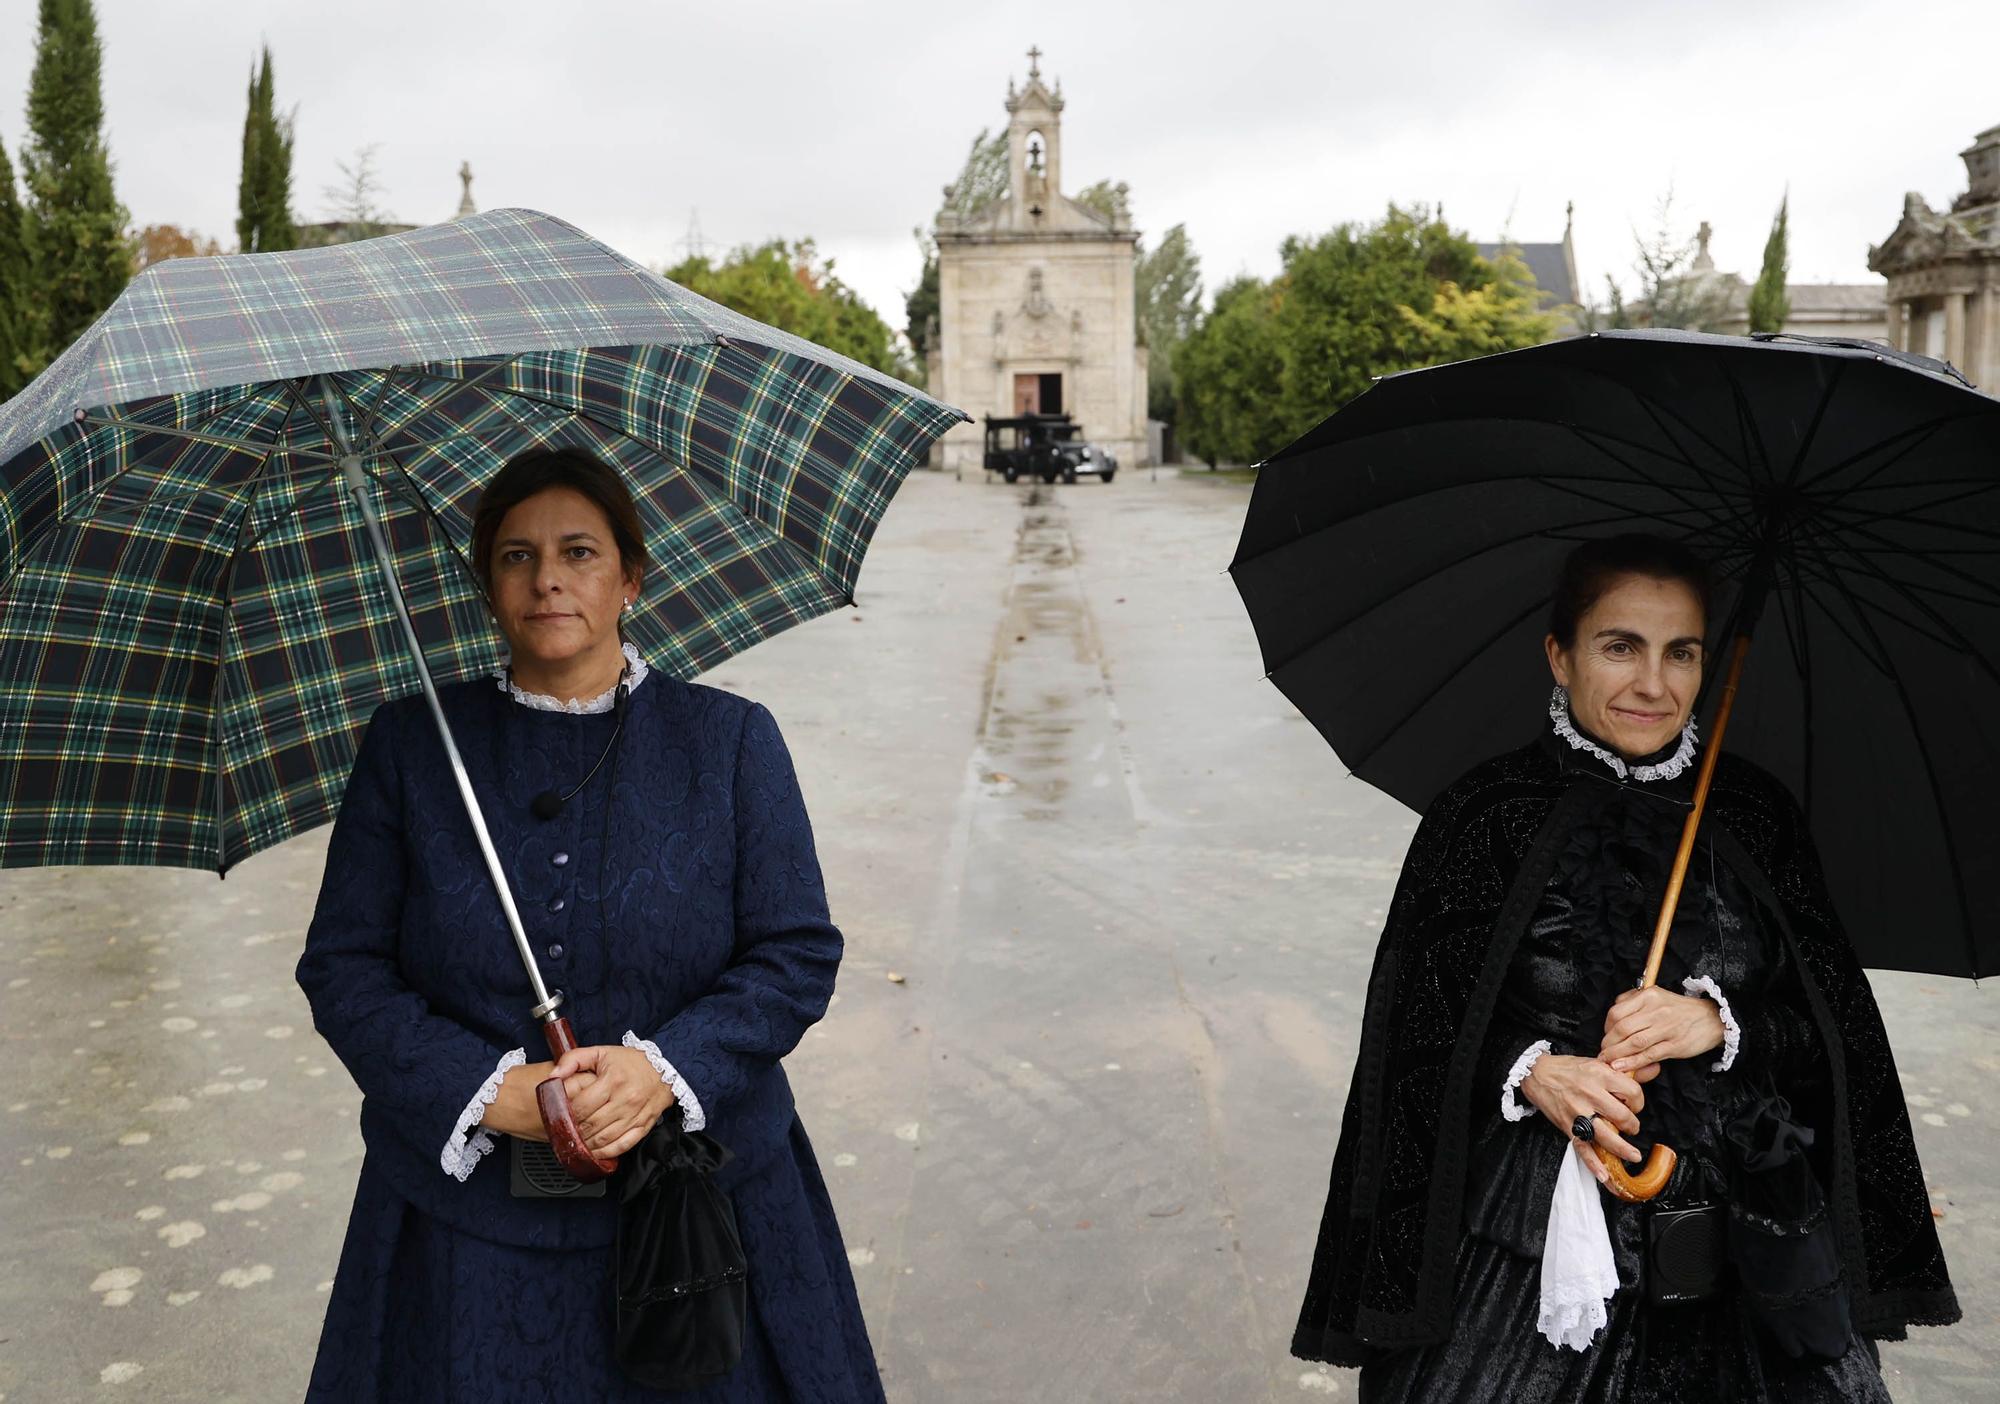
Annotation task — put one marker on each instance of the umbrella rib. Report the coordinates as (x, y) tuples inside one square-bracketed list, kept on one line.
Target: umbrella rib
[(1648, 479), (1559, 482), (1910, 515), (1433, 574), (1446, 681), (1799, 641), (1839, 372), (840, 591), (164, 431), (1992, 596), (422, 504), (1930, 775), (1917, 432), (1951, 635)]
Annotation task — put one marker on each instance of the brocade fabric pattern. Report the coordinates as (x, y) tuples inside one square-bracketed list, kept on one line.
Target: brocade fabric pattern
[(677, 895)]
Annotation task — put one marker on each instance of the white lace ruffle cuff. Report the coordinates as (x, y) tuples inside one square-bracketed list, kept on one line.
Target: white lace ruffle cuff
[(693, 1118), (1579, 1273), (1732, 1036), (1511, 1105), (469, 1141)]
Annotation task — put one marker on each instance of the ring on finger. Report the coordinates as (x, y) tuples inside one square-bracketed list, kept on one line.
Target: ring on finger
[(1583, 1128)]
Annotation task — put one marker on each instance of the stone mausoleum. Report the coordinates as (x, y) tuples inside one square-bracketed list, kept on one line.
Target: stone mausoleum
[(1035, 299), (1943, 268)]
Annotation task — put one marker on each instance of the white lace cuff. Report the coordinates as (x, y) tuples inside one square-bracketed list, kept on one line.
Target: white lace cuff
[(693, 1118), (1511, 1106), (470, 1141), (1732, 1036)]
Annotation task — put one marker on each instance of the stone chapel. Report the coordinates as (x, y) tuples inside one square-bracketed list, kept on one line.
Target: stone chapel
[(1035, 299)]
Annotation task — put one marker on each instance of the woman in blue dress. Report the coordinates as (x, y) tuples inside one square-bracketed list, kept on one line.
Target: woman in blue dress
[(675, 898)]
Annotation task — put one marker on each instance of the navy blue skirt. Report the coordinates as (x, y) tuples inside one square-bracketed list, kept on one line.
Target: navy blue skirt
[(421, 1311)]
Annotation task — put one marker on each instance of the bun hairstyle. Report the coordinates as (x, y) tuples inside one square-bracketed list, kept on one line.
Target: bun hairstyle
[(537, 470), (1596, 565)]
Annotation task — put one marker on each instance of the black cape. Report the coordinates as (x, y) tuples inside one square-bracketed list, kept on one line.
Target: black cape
[(1383, 1269)]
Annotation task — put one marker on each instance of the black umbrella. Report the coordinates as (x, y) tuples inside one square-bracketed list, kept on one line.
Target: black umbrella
[(1397, 563)]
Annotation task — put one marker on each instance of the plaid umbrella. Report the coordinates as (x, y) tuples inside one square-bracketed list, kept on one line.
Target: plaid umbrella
[(189, 640)]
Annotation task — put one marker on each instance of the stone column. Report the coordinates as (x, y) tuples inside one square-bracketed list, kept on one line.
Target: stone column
[(1954, 328), (1987, 375)]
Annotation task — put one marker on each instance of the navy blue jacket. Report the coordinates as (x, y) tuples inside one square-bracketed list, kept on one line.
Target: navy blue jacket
[(708, 934)]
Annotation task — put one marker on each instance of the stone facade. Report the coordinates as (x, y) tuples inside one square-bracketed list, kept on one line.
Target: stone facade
[(1943, 268), (1035, 300)]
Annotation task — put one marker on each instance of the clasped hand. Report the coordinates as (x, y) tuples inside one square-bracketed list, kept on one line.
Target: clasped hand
[(1642, 1029), (614, 1095)]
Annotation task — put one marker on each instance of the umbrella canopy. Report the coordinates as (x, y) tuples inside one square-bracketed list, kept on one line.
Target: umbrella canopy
[(191, 631), (1398, 563)]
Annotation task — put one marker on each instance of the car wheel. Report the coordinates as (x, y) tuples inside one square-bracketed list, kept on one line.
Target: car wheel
[(1069, 475), (1010, 474), (1110, 475)]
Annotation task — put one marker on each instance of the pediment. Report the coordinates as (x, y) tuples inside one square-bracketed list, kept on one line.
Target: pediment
[(1918, 240)]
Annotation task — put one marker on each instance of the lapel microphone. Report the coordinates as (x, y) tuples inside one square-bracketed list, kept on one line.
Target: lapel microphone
[(548, 804)]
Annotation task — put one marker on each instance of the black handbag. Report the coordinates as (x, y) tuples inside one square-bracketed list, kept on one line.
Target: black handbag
[(682, 1294)]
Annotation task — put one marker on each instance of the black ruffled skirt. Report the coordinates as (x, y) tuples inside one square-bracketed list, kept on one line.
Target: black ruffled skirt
[(1707, 1351)]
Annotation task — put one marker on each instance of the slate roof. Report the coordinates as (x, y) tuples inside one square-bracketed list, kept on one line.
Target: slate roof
[(1545, 261)]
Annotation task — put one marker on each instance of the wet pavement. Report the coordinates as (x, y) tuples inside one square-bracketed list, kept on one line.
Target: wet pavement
[(1078, 1143)]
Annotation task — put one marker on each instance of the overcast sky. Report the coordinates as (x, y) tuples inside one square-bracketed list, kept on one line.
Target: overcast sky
[(1247, 120)]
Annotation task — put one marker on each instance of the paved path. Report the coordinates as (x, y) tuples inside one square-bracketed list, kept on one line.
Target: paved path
[(1078, 1152)]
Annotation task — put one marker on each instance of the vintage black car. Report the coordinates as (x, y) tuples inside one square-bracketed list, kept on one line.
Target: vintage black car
[(1045, 446)]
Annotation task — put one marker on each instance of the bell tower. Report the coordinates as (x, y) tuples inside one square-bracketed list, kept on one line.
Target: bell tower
[(1034, 146)]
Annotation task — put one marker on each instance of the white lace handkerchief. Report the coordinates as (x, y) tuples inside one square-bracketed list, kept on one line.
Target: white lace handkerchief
[(1578, 1272)]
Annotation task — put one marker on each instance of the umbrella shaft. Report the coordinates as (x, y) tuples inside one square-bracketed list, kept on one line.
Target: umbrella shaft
[(357, 483), (1710, 754)]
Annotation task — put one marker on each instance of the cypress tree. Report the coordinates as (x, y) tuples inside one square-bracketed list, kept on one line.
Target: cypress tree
[(264, 188), (1769, 306), (16, 335), (80, 256)]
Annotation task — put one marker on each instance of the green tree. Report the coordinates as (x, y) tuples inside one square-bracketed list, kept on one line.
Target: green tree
[(264, 188), (1465, 322), (79, 254), (16, 334), (789, 286), (981, 180), (1272, 359), (1769, 306), (1167, 287), (1105, 198), (1228, 369), (1339, 318)]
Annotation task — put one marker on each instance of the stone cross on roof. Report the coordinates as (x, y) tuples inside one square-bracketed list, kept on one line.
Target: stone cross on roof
[(465, 205), (1035, 62)]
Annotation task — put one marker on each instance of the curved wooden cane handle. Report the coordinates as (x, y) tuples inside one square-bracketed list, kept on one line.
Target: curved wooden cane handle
[(564, 1137), (1636, 1187)]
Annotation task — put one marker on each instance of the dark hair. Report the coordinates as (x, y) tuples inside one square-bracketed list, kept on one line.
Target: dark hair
[(537, 470), (1596, 565)]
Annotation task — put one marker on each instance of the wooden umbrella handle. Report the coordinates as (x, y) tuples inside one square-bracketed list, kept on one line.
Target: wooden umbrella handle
[(1659, 1167), (564, 1137)]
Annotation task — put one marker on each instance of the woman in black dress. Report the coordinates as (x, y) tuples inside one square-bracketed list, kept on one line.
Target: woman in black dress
[(1466, 1251)]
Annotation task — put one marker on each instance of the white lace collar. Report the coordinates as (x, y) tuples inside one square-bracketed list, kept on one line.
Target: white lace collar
[(1667, 769), (635, 673)]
